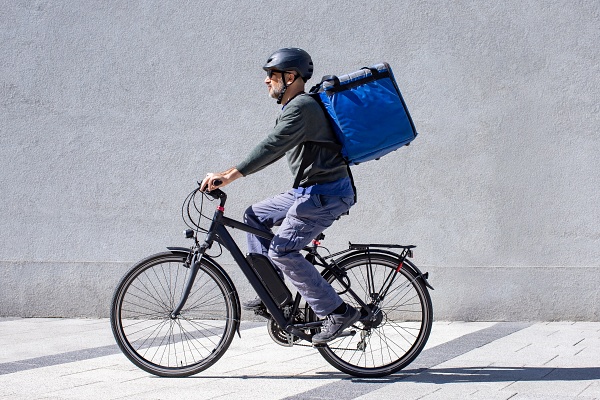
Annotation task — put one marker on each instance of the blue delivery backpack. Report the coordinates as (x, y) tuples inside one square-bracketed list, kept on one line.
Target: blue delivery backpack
[(367, 112)]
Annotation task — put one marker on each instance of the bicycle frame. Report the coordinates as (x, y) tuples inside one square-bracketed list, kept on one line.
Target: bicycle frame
[(218, 232)]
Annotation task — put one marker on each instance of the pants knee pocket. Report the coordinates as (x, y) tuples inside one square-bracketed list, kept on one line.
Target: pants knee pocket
[(294, 237)]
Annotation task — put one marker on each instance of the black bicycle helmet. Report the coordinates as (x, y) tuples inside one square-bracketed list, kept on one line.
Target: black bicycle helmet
[(291, 59)]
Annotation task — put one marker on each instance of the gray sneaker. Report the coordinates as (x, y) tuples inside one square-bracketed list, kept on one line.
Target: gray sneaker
[(334, 325), (252, 305), (257, 306)]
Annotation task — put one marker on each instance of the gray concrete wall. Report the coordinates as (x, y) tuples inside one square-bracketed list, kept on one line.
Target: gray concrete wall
[(111, 110)]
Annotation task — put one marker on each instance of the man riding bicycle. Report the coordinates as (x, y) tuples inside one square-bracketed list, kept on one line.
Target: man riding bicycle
[(324, 190)]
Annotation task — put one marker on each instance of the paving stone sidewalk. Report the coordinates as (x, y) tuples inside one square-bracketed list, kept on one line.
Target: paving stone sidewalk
[(78, 359)]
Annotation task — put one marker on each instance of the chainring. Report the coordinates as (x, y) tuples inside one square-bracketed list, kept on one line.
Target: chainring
[(280, 336)]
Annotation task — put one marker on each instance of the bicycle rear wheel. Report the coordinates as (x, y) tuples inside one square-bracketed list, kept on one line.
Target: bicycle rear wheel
[(402, 323), (141, 316)]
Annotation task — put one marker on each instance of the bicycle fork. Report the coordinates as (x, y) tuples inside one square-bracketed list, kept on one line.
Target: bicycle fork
[(194, 267)]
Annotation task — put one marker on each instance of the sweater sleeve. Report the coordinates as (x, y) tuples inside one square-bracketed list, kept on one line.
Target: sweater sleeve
[(287, 134)]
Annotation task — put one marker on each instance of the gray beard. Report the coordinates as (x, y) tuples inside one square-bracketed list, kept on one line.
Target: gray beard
[(276, 91)]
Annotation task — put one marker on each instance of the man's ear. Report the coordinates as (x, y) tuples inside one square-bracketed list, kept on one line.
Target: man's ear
[(291, 75)]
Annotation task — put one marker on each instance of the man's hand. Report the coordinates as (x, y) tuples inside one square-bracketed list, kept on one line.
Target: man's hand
[(225, 178), (208, 183)]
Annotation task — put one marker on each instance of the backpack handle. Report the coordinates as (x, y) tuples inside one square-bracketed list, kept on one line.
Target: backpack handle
[(335, 79), (326, 78), (374, 71)]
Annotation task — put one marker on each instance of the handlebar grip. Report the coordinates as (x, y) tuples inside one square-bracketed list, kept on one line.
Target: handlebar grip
[(217, 182), (217, 193)]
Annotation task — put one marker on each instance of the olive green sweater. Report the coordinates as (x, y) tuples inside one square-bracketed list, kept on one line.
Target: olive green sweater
[(302, 120)]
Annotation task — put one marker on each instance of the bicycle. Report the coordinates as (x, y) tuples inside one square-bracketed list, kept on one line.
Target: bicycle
[(175, 313)]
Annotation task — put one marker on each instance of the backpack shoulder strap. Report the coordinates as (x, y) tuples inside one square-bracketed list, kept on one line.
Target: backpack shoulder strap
[(306, 161)]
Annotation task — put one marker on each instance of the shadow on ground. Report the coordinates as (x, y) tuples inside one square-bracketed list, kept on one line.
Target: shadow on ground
[(449, 375)]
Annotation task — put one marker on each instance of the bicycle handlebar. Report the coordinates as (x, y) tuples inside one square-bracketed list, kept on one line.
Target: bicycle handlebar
[(218, 193)]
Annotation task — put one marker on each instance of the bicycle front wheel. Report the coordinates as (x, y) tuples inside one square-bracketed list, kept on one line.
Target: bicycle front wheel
[(402, 317), (174, 347)]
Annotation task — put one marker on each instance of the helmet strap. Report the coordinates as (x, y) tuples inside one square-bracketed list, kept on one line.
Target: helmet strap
[(285, 86), (280, 97)]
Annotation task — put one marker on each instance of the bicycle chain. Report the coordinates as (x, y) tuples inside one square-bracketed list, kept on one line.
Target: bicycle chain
[(331, 348)]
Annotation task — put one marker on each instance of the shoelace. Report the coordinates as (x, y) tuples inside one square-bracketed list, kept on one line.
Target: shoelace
[(327, 323)]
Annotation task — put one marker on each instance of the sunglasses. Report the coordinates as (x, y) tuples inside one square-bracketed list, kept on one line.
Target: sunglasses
[(271, 71)]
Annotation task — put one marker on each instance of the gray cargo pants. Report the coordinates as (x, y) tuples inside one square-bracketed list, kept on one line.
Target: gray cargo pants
[(302, 217)]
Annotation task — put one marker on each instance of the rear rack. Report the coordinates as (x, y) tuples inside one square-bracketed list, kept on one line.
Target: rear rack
[(357, 246), (406, 250), (405, 253)]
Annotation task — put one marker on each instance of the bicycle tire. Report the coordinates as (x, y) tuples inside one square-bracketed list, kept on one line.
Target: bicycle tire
[(401, 332), (141, 316)]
